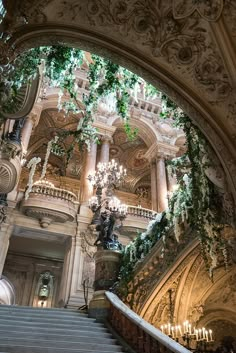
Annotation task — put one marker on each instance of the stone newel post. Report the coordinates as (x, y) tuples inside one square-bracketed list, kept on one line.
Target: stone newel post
[(107, 264)]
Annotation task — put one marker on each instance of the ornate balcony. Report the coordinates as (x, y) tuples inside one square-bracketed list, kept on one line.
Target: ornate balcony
[(137, 218), (50, 204)]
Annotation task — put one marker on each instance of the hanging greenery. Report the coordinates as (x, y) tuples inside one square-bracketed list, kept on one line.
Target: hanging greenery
[(59, 66), (190, 204), (194, 203)]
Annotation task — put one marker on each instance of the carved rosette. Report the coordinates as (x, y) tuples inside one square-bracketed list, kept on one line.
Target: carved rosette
[(9, 166), (209, 10), (8, 176)]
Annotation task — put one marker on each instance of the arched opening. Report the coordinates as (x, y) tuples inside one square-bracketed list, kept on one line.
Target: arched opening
[(198, 108)]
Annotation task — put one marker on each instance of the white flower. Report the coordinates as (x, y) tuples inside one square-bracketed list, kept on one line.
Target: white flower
[(186, 179), (143, 236)]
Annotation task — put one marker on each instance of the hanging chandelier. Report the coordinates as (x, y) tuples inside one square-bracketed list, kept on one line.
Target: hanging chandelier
[(107, 175), (191, 337)]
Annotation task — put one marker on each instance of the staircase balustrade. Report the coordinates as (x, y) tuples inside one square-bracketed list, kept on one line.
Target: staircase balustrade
[(139, 334)]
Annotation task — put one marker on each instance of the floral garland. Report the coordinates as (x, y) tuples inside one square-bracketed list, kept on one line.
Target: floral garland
[(60, 64), (192, 204), (32, 166), (48, 151)]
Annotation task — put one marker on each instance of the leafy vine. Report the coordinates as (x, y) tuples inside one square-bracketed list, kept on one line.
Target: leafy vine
[(194, 203)]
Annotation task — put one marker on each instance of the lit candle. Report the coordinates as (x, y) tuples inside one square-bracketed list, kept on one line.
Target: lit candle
[(203, 333), (196, 332), (176, 331), (206, 333), (172, 332), (210, 333), (162, 328), (189, 329), (180, 330), (169, 325), (200, 333)]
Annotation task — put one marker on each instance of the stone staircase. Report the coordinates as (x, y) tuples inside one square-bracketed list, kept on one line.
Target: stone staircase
[(36, 330)]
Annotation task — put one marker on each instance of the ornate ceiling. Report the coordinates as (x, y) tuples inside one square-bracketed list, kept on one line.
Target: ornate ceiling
[(186, 48)]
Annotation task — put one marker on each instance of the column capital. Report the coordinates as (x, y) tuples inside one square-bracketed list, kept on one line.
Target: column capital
[(106, 138), (161, 150), (104, 130), (33, 118)]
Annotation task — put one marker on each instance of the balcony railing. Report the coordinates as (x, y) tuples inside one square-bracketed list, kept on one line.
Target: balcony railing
[(139, 334), (141, 212), (2, 11), (54, 192)]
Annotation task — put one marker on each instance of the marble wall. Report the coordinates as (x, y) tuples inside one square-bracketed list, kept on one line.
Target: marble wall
[(24, 273)]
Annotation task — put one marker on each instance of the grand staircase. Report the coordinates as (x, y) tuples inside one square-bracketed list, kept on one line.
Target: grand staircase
[(36, 330)]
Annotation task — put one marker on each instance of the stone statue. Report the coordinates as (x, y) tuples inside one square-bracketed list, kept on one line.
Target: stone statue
[(105, 227)]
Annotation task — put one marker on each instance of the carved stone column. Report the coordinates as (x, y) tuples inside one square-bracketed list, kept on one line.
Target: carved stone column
[(153, 185), (107, 264), (26, 131), (5, 233), (161, 184), (104, 156), (66, 277), (86, 189)]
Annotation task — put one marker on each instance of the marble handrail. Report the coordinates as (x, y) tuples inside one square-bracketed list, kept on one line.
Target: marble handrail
[(138, 333)]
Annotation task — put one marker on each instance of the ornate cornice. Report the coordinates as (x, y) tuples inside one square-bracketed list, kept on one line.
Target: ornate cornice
[(104, 130), (161, 150)]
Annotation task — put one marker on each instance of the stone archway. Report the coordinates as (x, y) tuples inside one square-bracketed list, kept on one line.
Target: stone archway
[(186, 55), (195, 297)]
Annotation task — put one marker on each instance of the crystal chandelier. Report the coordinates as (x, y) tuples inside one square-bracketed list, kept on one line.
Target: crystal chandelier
[(107, 175)]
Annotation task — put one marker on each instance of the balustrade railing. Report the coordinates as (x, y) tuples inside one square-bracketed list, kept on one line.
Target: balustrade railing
[(54, 192), (140, 212), (139, 334), (2, 11)]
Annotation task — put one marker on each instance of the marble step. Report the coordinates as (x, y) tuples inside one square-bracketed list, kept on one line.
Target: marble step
[(35, 349), (48, 316), (44, 312), (31, 308), (62, 330), (93, 326), (80, 337), (44, 343)]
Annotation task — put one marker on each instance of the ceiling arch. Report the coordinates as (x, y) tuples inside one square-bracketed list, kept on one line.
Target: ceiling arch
[(195, 76)]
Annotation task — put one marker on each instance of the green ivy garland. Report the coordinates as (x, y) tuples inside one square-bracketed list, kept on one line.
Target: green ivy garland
[(193, 203), (59, 64)]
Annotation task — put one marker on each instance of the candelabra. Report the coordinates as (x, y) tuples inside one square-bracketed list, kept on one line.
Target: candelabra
[(108, 210), (193, 339)]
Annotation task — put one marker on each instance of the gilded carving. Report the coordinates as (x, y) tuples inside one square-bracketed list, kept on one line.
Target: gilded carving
[(179, 37), (209, 10), (88, 238)]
